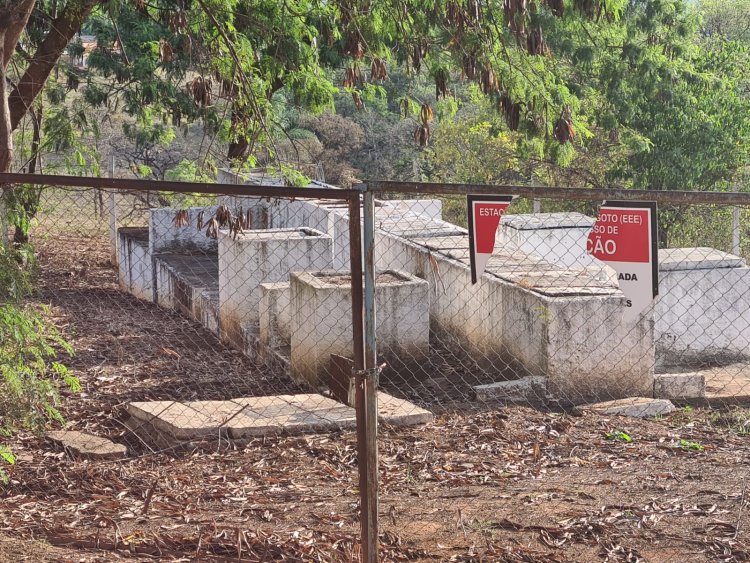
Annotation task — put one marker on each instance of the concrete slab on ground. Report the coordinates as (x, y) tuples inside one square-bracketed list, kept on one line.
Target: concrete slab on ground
[(729, 384), (673, 259), (87, 446), (194, 270), (400, 412), (640, 407), (529, 390), (257, 416), (677, 386)]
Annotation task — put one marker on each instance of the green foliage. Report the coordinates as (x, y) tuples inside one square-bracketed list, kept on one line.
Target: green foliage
[(291, 176), (188, 171), (472, 147), (619, 436), (16, 266), (690, 446), (735, 419), (729, 20), (21, 205), (30, 374)]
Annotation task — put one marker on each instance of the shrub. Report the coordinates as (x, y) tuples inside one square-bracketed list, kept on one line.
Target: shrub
[(30, 375)]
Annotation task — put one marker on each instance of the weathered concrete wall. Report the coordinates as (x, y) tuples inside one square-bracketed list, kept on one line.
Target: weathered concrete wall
[(135, 267), (275, 315), (165, 236), (429, 208), (262, 256), (558, 238), (182, 278), (209, 309), (164, 291), (527, 315), (392, 219), (593, 354), (566, 327), (322, 320), (703, 308)]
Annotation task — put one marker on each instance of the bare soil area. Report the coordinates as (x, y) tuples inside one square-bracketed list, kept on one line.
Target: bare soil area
[(509, 484)]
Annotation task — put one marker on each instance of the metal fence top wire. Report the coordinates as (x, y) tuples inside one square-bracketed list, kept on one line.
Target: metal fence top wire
[(554, 192), (178, 187)]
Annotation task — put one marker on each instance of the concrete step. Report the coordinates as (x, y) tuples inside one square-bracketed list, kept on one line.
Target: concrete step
[(247, 417), (87, 446)]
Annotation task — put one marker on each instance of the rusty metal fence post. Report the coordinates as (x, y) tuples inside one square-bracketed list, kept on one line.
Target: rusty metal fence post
[(371, 377), (366, 387)]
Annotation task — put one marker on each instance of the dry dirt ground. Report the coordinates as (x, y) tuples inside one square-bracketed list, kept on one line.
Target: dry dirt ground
[(507, 484)]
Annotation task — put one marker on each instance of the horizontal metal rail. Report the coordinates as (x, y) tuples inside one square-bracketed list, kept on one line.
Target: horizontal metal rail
[(177, 187), (545, 192), (421, 188)]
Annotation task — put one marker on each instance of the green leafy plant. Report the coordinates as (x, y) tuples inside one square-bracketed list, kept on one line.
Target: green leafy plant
[(690, 446), (737, 420), (619, 436), (31, 377), (16, 265)]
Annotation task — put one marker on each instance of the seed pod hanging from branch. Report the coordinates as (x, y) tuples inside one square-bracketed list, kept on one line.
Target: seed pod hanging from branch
[(358, 103), (469, 65), (178, 22), (557, 7), (166, 53), (354, 46), (422, 135), (515, 16), (441, 83), (200, 89), (378, 70), (563, 130), (181, 218), (488, 80), (353, 77), (417, 53), (454, 14), (535, 42), (223, 215), (513, 117), (590, 8), (473, 13), (405, 107)]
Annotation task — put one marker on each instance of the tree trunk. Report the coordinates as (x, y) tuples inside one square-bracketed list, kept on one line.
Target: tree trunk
[(13, 20), (29, 198), (20, 15), (6, 130), (44, 60), (238, 149)]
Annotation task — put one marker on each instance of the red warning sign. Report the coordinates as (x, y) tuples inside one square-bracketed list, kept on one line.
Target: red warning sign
[(624, 237), (485, 213)]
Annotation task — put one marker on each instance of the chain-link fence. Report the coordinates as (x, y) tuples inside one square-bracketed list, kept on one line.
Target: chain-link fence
[(203, 327), (546, 327), (214, 334)]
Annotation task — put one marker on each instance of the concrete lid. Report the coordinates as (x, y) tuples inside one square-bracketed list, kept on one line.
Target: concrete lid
[(640, 407), (87, 446), (253, 416), (341, 281), (700, 258), (139, 234), (275, 234), (538, 221), (533, 272), (414, 226)]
